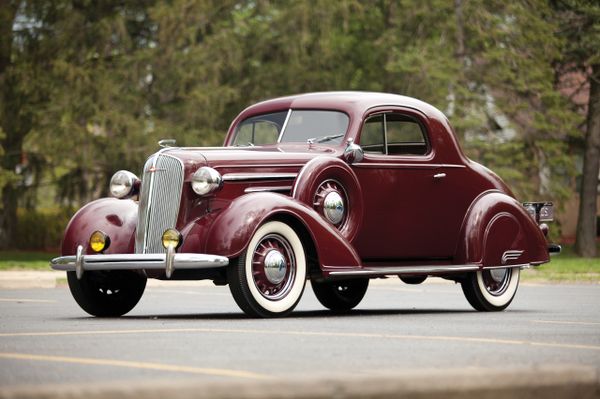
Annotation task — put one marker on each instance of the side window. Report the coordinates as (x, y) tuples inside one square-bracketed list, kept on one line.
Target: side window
[(404, 136), (393, 134), (372, 136)]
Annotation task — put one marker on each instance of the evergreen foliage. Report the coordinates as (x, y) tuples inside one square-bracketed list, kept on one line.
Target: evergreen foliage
[(89, 87)]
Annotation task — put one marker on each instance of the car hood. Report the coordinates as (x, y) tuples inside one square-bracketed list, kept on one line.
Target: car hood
[(273, 158)]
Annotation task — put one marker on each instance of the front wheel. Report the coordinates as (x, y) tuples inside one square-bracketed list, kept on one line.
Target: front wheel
[(491, 290), (269, 277), (340, 296), (107, 293)]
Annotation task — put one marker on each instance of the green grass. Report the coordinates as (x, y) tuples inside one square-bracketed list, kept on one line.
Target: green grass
[(566, 267), (21, 260)]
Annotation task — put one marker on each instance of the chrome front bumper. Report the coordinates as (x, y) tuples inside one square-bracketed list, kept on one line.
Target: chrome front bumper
[(169, 262)]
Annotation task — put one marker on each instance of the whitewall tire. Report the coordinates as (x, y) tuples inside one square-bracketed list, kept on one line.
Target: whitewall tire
[(268, 279), (491, 290)]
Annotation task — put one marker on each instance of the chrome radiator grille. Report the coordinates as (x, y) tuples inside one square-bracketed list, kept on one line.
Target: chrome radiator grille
[(160, 196)]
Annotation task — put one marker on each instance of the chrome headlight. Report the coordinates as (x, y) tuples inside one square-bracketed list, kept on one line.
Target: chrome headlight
[(122, 183), (206, 180)]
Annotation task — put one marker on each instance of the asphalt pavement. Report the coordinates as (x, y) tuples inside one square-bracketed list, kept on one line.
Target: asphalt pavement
[(194, 331)]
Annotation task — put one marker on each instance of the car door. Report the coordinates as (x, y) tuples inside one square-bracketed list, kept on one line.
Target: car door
[(408, 213)]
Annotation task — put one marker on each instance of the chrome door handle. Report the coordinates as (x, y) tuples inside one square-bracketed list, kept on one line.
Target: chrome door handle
[(439, 175)]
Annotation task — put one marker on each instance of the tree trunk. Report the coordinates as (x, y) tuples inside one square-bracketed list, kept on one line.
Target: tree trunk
[(586, 223), (8, 216)]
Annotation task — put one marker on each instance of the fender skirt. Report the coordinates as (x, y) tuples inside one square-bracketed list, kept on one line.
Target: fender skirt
[(497, 231)]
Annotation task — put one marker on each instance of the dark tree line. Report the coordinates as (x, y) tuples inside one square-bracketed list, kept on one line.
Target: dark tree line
[(88, 87)]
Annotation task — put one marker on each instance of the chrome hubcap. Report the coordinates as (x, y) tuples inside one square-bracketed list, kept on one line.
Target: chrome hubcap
[(275, 266), (331, 201), (498, 274), (333, 206), (496, 280)]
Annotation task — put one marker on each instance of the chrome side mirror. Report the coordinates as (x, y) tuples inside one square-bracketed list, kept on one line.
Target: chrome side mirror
[(353, 153), (167, 143)]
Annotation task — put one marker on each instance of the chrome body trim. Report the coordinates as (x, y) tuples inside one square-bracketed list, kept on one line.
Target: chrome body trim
[(514, 254), (258, 176), (281, 189), (285, 122), (79, 262), (521, 266), (138, 262), (170, 262), (383, 271)]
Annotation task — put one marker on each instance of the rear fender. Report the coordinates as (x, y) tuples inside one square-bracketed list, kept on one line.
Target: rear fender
[(498, 231), (117, 218), (234, 227)]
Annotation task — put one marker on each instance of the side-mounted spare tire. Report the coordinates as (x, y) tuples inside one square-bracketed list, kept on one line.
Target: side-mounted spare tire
[(329, 185)]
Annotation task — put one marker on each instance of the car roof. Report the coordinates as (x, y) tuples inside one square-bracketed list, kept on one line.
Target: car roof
[(351, 102)]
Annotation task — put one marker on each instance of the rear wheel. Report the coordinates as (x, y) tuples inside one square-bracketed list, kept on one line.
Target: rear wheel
[(269, 278), (491, 290), (107, 293), (340, 295)]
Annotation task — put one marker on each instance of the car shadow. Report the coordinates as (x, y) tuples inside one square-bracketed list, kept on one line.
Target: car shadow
[(308, 314)]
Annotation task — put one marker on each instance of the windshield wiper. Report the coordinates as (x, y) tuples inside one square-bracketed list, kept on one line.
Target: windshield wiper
[(324, 138)]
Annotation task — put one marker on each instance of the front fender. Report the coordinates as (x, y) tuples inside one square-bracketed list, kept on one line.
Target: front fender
[(115, 217), (233, 228), (498, 231)]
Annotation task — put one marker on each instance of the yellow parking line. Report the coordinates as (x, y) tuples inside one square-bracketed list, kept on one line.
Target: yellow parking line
[(134, 365), (481, 340), (581, 323), (26, 300)]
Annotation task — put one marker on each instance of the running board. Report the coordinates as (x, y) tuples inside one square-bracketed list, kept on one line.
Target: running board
[(393, 270)]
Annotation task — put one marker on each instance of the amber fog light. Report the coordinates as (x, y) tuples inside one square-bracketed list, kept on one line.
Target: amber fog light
[(171, 238), (99, 241)]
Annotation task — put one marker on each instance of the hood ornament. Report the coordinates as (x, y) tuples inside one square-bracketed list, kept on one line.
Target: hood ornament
[(167, 143)]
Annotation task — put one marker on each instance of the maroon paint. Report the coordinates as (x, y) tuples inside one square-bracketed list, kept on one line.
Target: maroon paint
[(116, 218), (408, 216), (497, 223), (233, 228)]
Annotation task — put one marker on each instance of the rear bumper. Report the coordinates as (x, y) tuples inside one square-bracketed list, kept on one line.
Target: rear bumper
[(168, 262), (554, 249)]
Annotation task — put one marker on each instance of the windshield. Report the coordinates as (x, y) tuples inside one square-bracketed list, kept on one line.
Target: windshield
[(292, 126)]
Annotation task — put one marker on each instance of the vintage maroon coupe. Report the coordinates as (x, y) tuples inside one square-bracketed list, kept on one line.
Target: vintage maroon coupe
[(337, 188)]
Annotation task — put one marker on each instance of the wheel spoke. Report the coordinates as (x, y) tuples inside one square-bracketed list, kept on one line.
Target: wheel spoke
[(273, 246)]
